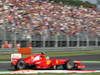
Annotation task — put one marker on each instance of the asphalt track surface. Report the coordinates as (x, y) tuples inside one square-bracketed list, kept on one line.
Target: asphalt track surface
[(90, 66)]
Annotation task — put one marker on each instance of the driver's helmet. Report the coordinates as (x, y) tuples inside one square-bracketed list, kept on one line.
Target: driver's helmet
[(43, 53)]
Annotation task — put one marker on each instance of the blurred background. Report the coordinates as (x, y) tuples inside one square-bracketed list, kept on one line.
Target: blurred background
[(49, 23)]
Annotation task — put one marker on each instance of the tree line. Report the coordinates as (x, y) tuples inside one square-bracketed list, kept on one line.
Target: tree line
[(74, 3)]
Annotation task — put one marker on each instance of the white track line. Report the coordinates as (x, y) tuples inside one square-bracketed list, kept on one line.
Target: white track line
[(47, 71)]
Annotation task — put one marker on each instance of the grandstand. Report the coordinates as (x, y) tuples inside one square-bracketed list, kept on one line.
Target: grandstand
[(45, 24)]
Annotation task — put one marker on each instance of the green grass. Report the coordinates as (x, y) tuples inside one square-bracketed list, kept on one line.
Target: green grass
[(51, 54), (73, 53), (59, 74), (4, 57)]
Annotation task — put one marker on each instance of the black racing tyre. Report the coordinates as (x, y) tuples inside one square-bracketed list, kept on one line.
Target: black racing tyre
[(33, 67), (20, 65), (68, 65), (58, 67)]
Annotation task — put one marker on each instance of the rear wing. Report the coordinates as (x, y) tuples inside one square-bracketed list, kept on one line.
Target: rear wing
[(15, 56)]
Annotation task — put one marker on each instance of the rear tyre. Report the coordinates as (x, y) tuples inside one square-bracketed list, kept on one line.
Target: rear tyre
[(33, 67), (20, 65)]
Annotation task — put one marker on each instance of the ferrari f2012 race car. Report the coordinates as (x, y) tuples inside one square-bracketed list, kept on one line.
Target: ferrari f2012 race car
[(40, 61)]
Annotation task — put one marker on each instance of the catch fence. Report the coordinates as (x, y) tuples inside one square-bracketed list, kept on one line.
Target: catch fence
[(61, 40)]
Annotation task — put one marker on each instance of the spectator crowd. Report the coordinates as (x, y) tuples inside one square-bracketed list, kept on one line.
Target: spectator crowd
[(30, 17)]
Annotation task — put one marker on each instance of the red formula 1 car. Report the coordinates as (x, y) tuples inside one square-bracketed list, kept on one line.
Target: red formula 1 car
[(39, 61)]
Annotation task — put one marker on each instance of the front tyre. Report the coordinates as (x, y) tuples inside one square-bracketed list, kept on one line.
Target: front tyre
[(68, 65), (20, 65)]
